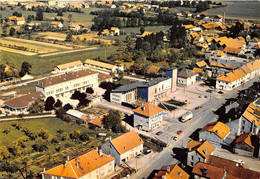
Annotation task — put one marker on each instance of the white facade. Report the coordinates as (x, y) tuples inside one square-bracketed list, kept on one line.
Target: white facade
[(20, 22), (67, 88), (148, 124), (109, 149), (187, 81)]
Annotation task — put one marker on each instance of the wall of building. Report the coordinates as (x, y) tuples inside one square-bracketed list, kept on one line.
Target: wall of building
[(131, 153), (246, 126), (159, 90), (187, 81), (193, 158), (240, 150), (141, 120), (234, 126), (67, 88), (116, 98), (211, 137)]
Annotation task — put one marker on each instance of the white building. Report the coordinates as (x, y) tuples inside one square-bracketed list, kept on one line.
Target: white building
[(124, 147), (216, 133), (198, 152), (148, 117), (239, 76), (87, 166), (186, 78), (66, 84), (21, 104), (75, 114), (76, 65), (103, 67), (56, 24)]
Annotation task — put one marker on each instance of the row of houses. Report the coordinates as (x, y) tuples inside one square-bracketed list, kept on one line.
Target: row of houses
[(239, 76), (90, 64), (99, 163)]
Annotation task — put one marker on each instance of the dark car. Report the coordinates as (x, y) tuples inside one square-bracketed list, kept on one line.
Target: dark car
[(139, 155), (159, 133), (220, 92), (209, 90), (147, 152)]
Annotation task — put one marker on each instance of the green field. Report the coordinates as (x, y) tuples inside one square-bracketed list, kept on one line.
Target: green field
[(45, 65)]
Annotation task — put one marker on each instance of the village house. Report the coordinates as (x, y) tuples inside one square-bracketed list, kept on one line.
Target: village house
[(114, 31), (243, 145), (218, 18), (198, 152), (186, 77), (71, 66), (21, 104), (56, 25), (17, 20), (171, 172), (85, 5), (103, 67), (148, 117), (64, 85), (74, 27), (124, 147), (216, 167), (149, 90), (90, 165), (216, 133), (201, 64), (112, 6), (154, 70)]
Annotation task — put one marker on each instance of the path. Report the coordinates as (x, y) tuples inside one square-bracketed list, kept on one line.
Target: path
[(70, 51), (27, 117)]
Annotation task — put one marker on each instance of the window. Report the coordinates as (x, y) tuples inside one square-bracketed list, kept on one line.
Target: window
[(191, 157), (244, 121), (243, 128)]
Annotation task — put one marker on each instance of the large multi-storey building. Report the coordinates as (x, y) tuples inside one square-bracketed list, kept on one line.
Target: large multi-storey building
[(148, 90), (64, 85)]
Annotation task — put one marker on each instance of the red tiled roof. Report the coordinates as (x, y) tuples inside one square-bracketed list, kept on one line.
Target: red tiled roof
[(232, 168), (103, 77), (127, 142), (203, 148), (218, 128), (24, 101), (148, 109), (65, 77), (175, 172), (245, 139), (81, 165)]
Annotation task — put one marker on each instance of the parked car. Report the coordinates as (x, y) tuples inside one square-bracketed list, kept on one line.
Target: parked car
[(147, 152), (209, 90), (220, 92), (179, 132), (159, 133), (175, 138), (139, 155), (187, 116), (198, 107)]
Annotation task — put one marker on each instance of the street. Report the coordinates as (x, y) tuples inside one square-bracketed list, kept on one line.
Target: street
[(201, 117)]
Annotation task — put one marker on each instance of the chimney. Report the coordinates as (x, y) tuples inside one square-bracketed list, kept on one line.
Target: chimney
[(44, 169), (205, 151), (143, 108), (110, 138), (168, 169), (164, 177), (189, 149), (155, 174), (224, 174), (68, 158), (180, 174), (204, 171), (100, 152), (124, 147)]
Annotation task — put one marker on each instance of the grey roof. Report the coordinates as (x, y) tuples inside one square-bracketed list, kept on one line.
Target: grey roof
[(138, 84), (186, 74)]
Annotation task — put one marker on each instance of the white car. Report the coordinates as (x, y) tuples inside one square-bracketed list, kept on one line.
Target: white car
[(239, 161), (175, 138)]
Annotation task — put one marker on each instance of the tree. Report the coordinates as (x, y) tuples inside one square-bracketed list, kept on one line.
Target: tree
[(69, 37), (49, 103), (44, 134), (36, 107), (12, 31), (142, 29), (84, 136), (76, 95), (39, 15), (75, 135), (25, 68), (70, 17), (67, 106), (113, 121), (59, 13), (58, 104), (4, 153), (89, 90)]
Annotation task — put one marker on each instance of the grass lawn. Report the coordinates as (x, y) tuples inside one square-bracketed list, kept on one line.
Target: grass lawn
[(45, 65)]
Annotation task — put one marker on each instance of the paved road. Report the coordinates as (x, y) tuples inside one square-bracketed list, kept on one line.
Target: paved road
[(201, 117)]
